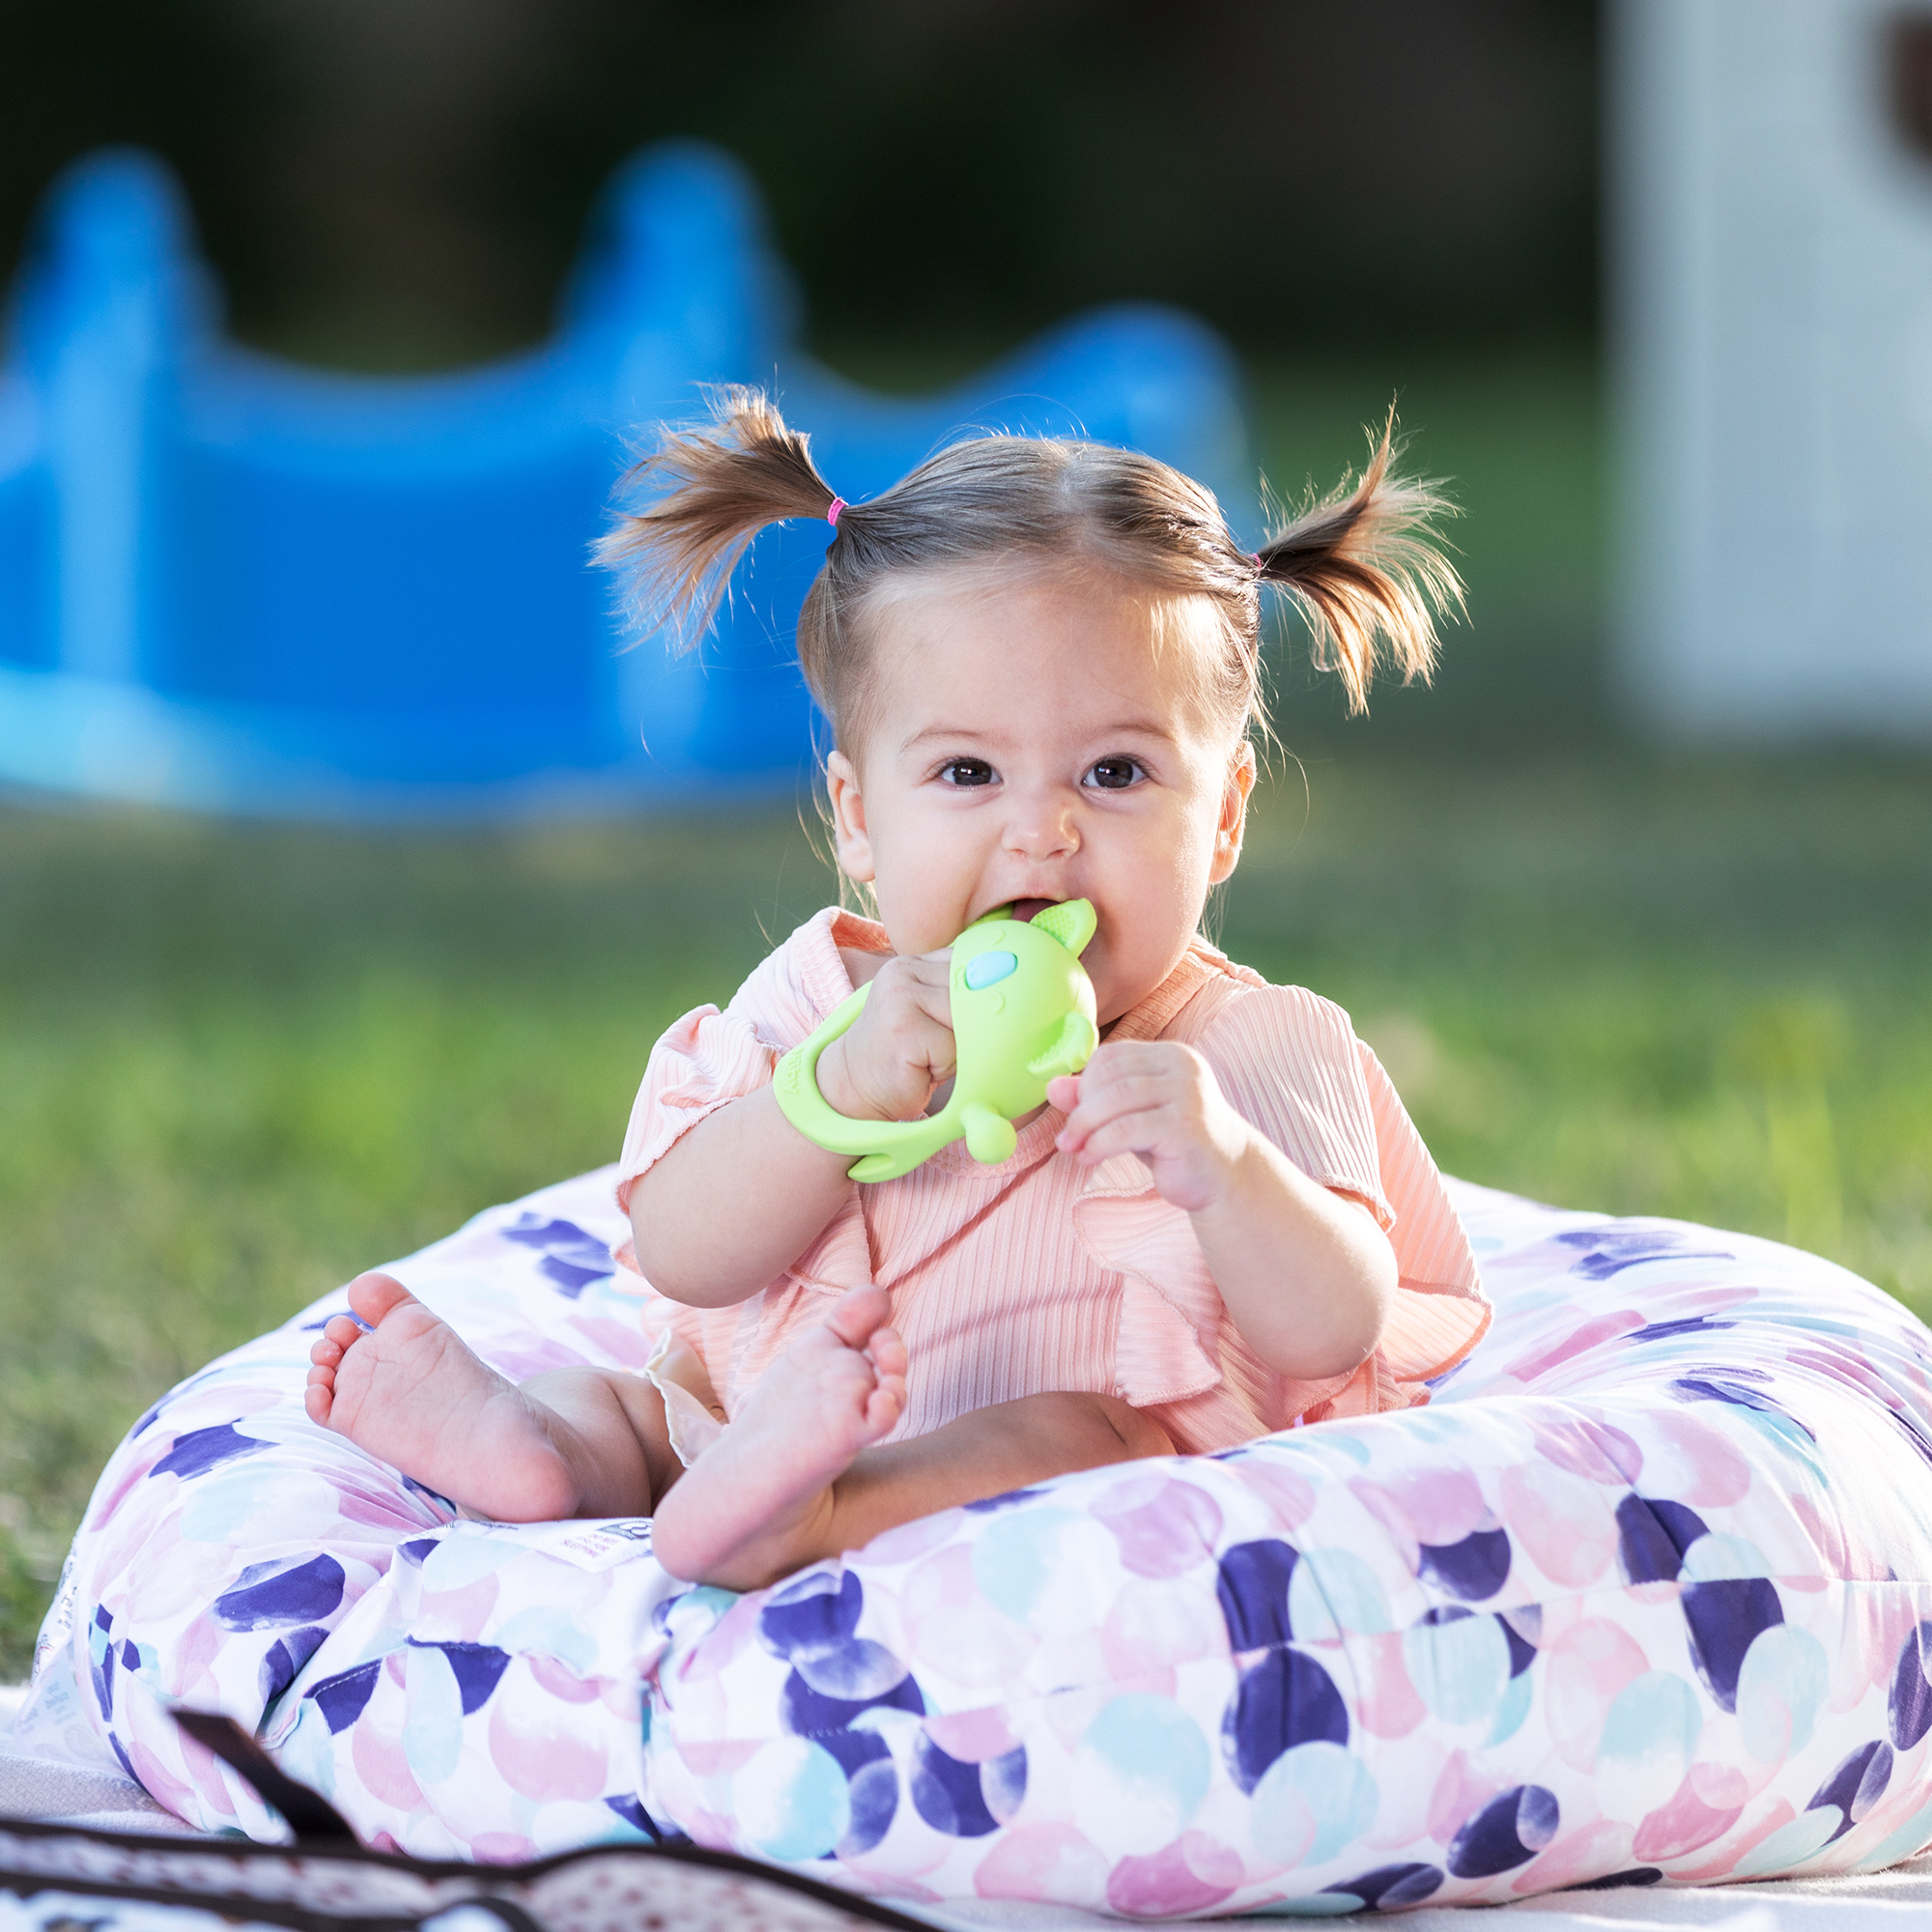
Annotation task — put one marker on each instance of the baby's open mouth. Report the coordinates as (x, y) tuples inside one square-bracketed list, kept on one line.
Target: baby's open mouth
[(1026, 910)]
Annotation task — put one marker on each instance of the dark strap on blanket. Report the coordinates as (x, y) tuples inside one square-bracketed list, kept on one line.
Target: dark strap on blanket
[(324, 1834), (309, 1816)]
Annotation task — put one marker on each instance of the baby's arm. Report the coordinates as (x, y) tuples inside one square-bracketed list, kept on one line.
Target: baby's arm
[(1307, 1273), (741, 1196), (733, 1204)]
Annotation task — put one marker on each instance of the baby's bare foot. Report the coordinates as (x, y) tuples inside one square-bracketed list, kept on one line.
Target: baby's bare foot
[(757, 1503), (411, 1392)]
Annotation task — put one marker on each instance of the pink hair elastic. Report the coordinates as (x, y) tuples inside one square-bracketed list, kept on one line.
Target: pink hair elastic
[(832, 514)]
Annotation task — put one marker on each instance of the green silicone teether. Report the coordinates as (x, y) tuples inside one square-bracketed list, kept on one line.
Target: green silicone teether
[(1022, 1014)]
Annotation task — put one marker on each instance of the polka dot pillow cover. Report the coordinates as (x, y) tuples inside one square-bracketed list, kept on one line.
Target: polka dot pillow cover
[(1642, 1596)]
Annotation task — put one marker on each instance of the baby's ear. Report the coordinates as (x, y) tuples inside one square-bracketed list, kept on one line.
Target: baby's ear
[(1071, 922), (852, 845)]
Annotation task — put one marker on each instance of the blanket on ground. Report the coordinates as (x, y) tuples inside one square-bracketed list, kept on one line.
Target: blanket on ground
[(1640, 1600)]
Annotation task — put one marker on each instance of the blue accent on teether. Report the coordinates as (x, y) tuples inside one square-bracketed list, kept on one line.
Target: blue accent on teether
[(988, 969)]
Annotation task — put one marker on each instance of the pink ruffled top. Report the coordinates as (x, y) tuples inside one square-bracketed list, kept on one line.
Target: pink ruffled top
[(1038, 1275)]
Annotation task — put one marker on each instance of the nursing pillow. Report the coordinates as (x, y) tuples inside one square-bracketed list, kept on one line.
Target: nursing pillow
[(1642, 1596)]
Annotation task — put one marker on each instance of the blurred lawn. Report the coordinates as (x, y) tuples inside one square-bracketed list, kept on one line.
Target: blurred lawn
[(237, 1063), (1518, 437)]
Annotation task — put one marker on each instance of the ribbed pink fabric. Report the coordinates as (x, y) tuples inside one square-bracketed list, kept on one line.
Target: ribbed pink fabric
[(1037, 1275)]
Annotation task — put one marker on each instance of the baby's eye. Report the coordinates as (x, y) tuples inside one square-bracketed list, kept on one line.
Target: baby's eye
[(966, 772), (1115, 773)]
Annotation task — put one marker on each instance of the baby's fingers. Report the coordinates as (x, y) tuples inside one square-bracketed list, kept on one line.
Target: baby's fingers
[(932, 990), (1144, 1130), (910, 999), (1104, 1101)]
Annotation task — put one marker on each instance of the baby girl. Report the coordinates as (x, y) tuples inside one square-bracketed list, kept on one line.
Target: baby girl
[(1039, 661)]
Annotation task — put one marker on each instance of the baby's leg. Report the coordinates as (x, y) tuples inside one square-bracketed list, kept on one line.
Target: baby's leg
[(572, 1442), (987, 1453), (763, 1489), (791, 1480)]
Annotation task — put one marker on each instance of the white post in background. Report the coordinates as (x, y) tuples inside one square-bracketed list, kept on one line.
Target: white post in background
[(1770, 278)]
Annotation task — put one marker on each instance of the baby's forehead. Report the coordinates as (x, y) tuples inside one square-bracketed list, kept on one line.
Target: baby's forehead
[(1068, 627), (1035, 649)]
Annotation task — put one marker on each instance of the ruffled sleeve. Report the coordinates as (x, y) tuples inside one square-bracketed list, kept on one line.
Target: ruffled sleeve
[(703, 1061), (708, 1059), (1289, 1063), (1441, 1313)]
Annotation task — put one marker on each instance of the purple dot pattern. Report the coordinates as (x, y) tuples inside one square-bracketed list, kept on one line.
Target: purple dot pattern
[(1643, 1596)]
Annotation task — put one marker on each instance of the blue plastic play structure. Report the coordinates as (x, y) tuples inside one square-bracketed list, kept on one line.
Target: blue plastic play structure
[(231, 583)]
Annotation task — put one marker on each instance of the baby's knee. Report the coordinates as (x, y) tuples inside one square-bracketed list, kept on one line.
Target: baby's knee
[(1139, 1434), (1099, 1428)]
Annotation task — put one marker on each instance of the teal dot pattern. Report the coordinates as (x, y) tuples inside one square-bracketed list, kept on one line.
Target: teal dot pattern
[(1644, 1596)]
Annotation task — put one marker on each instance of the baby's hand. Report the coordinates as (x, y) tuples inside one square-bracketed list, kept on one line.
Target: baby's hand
[(884, 1065), (1158, 1099)]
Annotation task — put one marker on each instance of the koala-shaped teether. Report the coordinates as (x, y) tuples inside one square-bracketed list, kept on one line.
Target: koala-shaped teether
[(1022, 1014)]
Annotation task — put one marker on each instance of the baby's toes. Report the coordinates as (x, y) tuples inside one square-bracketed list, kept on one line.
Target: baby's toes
[(885, 1405), (856, 1315), (342, 1330), (375, 1294), (887, 1351), (324, 1355), (318, 1397)]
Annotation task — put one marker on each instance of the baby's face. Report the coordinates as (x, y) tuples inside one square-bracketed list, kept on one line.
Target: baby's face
[(1036, 740)]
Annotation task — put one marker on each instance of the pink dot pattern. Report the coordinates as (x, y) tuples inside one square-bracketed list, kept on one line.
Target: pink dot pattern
[(1642, 1597)]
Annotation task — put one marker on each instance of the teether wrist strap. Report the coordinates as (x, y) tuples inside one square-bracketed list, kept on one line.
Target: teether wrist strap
[(795, 1086)]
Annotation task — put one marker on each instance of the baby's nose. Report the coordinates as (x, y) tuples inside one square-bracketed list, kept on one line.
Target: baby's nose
[(1042, 828)]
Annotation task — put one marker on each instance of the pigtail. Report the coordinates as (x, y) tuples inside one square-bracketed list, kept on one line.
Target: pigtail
[(1364, 568), (710, 490)]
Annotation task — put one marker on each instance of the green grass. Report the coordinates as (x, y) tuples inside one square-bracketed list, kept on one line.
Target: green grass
[(1518, 441), (237, 1063)]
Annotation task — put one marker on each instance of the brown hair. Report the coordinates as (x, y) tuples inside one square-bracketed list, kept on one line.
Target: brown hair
[(1358, 562)]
